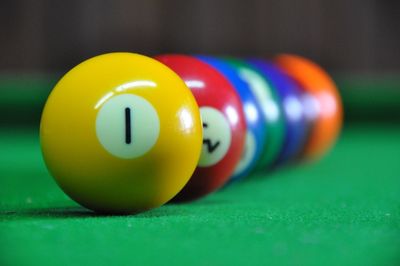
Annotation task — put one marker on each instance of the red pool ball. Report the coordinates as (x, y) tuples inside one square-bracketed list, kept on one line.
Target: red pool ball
[(224, 125)]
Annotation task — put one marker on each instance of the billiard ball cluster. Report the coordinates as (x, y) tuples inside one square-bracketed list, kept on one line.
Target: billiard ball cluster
[(124, 133)]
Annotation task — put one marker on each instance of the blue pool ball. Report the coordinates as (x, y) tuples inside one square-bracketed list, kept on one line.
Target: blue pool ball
[(295, 117), (256, 126)]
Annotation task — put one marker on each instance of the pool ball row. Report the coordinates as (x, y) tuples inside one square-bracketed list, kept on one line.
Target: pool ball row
[(124, 133)]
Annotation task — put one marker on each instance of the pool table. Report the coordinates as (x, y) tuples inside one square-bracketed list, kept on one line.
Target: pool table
[(341, 210)]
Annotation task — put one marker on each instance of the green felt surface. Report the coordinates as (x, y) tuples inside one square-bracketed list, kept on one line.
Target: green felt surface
[(343, 210)]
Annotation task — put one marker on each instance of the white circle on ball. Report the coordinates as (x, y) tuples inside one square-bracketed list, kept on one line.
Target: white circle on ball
[(216, 136), (127, 126), (248, 153), (262, 92)]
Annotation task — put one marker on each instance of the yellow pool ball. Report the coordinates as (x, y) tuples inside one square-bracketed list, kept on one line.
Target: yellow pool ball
[(121, 133)]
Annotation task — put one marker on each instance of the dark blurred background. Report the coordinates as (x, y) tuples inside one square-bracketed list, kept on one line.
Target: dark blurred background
[(353, 35), (358, 41)]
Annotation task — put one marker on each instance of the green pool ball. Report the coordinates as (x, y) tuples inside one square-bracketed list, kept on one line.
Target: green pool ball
[(271, 110)]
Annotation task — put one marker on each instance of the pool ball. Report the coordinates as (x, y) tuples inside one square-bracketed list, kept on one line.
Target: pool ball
[(256, 127), (121, 133), (224, 127), (271, 110), (291, 97), (326, 101), (311, 112)]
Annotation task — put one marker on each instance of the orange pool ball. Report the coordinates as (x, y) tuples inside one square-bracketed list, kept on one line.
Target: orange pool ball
[(319, 84)]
